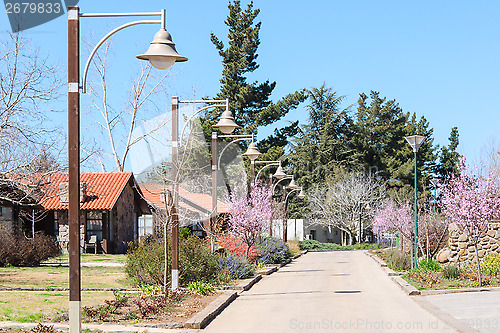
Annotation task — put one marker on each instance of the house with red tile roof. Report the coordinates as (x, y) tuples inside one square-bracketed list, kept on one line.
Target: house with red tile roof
[(195, 208), (110, 207)]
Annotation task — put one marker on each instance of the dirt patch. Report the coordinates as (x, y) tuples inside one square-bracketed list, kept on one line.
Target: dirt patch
[(150, 309)]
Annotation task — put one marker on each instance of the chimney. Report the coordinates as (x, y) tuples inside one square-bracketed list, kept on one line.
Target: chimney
[(64, 195)]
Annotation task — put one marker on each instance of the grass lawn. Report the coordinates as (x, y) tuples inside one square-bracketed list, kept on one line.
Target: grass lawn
[(39, 306), (92, 277), (87, 257)]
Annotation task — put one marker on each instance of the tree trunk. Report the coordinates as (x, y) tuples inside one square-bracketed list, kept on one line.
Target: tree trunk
[(33, 224), (479, 276)]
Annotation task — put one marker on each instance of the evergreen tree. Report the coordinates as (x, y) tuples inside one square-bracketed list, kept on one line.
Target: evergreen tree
[(324, 143), (249, 102), (448, 159)]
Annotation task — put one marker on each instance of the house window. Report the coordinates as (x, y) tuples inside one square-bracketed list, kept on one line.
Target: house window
[(60, 217), (7, 213), (145, 225), (94, 224)]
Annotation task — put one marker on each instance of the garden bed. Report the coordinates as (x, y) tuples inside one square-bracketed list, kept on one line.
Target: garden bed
[(431, 275)]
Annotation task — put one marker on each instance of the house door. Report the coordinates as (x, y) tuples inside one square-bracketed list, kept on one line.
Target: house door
[(94, 224)]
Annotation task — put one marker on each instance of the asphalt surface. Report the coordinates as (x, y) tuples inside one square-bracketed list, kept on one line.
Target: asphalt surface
[(341, 291), (478, 310)]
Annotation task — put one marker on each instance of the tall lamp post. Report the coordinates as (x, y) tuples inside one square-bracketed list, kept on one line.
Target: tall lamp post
[(415, 142), (162, 55)]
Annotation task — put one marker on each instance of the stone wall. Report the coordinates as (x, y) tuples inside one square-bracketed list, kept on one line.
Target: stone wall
[(63, 236), (462, 249)]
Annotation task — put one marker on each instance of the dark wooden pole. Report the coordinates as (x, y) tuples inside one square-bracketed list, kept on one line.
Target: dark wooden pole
[(74, 168)]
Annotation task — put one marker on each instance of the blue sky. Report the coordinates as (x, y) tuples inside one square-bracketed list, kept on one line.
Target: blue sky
[(439, 59)]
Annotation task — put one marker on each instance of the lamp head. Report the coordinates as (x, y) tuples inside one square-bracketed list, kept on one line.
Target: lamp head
[(301, 194), (252, 152), (415, 141), (292, 185), (226, 123), (280, 174), (161, 52)]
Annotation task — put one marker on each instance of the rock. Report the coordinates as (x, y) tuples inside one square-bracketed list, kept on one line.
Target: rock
[(497, 234), (491, 233), (481, 253), (486, 247), (462, 245), (494, 246), (444, 255), (463, 252), (463, 238)]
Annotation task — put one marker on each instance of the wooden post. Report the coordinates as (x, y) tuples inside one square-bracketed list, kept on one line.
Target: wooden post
[(74, 168)]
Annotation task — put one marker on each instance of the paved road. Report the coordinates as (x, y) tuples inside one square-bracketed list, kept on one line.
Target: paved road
[(326, 292), (479, 310)]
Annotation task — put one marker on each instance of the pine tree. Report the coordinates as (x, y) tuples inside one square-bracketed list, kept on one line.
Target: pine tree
[(324, 143), (249, 102), (448, 159)]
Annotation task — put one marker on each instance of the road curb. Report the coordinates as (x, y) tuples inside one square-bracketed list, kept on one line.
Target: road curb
[(457, 291), (248, 283), (202, 318), (395, 276)]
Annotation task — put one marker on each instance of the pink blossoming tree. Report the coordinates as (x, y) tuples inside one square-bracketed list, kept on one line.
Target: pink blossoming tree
[(471, 202), (250, 214), (394, 218)]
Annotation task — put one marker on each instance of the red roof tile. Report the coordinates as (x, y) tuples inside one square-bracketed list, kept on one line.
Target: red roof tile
[(152, 194), (103, 189)]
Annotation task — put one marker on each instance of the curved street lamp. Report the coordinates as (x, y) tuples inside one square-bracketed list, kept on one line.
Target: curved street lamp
[(301, 195), (415, 142), (161, 54)]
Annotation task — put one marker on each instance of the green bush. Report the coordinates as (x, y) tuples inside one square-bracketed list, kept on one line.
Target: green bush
[(491, 264), (451, 272), (429, 265), (145, 261), (201, 288), (398, 260)]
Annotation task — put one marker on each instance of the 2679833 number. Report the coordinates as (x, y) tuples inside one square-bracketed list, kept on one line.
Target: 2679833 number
[(33, 8)]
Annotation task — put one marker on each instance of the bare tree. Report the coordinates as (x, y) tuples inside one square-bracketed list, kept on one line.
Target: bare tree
[(117, 120), (346, 203), (28, 86)]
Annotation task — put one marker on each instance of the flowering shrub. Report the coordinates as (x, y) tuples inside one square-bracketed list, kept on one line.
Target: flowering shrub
[(491, 264), (249, 213), (272, 251), (235, 266), (237, 247), (429, 278)]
